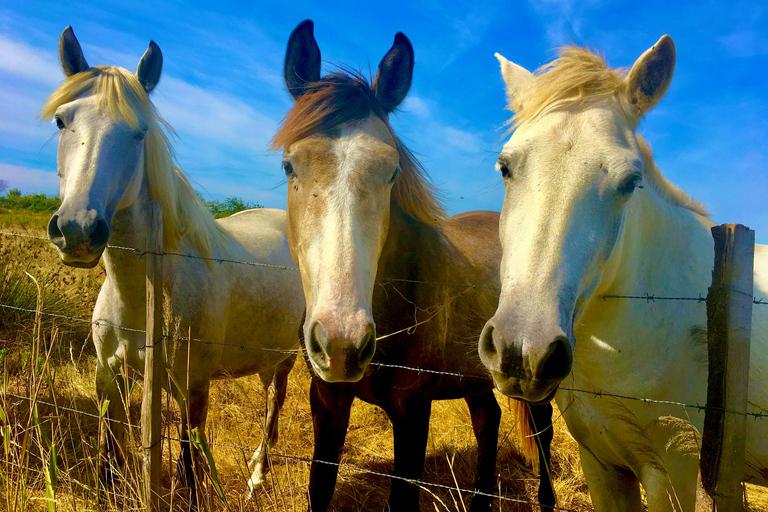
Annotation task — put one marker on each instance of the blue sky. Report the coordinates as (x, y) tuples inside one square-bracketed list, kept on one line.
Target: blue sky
[(222, 87)]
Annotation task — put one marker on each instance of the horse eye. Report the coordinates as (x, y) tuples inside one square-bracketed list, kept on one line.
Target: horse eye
[(59, 123), (504, 170), (629, 184), (288, 168), (395, 174)]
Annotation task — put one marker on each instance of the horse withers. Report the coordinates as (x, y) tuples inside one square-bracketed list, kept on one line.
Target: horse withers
[(587, 214), (113, 158), (396, 293)]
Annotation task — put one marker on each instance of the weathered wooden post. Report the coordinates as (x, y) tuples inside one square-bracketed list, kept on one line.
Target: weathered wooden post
[(729, 328), (153, 360)]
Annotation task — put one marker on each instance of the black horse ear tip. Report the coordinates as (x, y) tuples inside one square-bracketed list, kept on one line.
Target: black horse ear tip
[(154, 46), (401, 38), (306, 25)]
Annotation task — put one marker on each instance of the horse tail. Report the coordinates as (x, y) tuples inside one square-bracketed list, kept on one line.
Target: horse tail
[(522, 416)]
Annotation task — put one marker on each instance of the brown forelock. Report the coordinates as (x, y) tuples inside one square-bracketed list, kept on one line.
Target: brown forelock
[(338, 99)]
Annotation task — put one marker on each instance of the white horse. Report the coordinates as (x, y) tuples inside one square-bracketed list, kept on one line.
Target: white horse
[(586, 214), (113, 158)]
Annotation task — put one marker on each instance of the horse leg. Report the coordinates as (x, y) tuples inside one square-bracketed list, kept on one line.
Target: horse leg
[(671, 485), (540, 421), (610, 488), (411, 428), (275, 386), (193, 415), (331, 405), (486, 417), (110, 386)]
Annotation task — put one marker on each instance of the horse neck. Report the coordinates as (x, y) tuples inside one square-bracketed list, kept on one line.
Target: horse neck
[(126, 269), (407, 238), (664, 249)]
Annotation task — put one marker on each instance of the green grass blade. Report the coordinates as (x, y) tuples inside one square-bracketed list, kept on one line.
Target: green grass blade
[(50, 480), (200, 443)]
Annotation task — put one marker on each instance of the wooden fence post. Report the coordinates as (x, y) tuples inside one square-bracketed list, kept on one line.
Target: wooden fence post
[(153, 360), (729, 328)]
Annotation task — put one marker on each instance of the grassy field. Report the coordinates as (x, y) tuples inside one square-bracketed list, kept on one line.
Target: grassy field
[(54, 362)]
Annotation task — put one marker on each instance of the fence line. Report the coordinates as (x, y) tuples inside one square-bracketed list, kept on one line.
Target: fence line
[(247, 449), (597, 394), (140, 252), (715, 435)]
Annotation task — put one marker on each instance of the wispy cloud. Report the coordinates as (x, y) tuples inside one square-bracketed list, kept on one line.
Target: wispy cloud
[(745, 43), (32, 64), (29, 180), (213, 116)]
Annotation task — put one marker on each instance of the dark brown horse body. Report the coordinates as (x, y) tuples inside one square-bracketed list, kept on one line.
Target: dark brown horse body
[(452, 318), (373, 244)]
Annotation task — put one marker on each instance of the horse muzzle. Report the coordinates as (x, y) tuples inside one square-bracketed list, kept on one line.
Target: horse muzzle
[(80, 241), (526, 367), (340, 356)]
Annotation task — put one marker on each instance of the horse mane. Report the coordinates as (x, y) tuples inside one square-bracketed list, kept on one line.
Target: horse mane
[(120, 95), (663, 186), (340, 98), (576, 76)]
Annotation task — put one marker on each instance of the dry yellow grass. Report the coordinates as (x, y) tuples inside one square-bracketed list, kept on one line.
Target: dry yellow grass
[(65, 378)]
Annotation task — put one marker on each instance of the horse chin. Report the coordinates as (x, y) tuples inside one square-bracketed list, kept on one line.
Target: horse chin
[(333, 374), (533, 392), (81, 264)]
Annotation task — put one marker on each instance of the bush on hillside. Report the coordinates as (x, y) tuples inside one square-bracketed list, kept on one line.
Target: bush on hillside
[(229, 206), (14, 200)]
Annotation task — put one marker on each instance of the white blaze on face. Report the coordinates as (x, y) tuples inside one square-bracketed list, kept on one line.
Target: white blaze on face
[(338, 215), (563, 207), (99, 163)]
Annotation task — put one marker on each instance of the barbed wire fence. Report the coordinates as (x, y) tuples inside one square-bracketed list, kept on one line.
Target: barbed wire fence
[(648, 298)]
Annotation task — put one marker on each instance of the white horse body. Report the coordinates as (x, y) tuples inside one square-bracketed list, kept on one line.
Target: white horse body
[(587, 214), (243, 318), (229, 305), (657, 350)]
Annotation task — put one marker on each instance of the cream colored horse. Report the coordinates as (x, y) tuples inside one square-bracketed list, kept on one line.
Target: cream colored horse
[(586, 214), (113, 158)]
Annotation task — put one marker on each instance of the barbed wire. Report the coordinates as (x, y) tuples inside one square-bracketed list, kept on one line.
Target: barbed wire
[(648, 297), (598, 394), (141, 253), (247, 449)]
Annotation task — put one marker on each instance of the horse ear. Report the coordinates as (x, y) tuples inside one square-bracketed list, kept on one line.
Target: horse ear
[(302, 59), (393, 79), (516, 77), (150, 67), (651, 74), (70, 53)]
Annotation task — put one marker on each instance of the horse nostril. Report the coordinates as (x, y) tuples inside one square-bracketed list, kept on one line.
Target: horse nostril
[(314, 346), (99, 234), (54, 233), (367, 349), (556, 364), (487, 346)]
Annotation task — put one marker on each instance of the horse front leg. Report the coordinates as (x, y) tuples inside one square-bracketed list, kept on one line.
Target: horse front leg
[(110, 386), (411, 429), (540, 420), (275, 386), (193, 416), (331, 405), (486, 417)]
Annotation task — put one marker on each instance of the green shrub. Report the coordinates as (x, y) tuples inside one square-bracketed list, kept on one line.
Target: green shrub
[(14, 200), (229, 206)]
